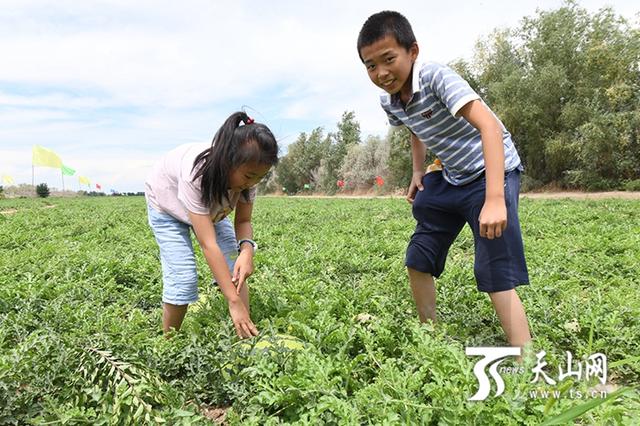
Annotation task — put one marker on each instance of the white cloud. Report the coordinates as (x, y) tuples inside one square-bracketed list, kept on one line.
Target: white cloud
[(129, 80)]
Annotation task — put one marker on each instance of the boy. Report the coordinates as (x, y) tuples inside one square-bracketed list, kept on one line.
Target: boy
[(480, 178)]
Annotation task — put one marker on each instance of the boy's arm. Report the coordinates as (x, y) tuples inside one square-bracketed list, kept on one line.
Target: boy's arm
[(493, 217), (418, 154), (206, 234)]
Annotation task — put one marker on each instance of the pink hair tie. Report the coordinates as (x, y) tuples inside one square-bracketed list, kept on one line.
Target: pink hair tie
[(249, 120)]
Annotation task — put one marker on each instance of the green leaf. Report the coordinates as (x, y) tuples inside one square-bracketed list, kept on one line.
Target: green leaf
[(632, 360), (126, 393), (184, 413), (579, 410), (138, 412), (552, 399)]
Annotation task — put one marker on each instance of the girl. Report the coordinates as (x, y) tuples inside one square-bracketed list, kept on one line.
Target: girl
[(196, 186)]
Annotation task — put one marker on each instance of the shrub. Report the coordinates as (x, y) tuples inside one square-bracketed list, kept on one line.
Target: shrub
[(42, 190), (364, 162), (529, 183), (632, 185)]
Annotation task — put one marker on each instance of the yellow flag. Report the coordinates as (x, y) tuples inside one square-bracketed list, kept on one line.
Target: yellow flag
[(84, 180), (45, 157), (7, 180)]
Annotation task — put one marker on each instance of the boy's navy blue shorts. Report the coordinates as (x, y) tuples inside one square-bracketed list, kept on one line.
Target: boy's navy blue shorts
[(441, 211)]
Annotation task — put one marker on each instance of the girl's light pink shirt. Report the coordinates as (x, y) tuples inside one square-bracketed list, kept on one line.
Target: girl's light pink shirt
[(170, 187)]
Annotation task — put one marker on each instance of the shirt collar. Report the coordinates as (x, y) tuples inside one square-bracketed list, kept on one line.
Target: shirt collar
[(415, 82)]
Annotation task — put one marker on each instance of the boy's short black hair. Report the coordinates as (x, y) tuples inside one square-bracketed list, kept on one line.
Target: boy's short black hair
[(385, 23)]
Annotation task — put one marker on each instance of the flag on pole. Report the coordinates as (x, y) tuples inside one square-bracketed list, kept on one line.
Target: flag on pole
[(84, 180), (7, 180), (45, 157), (68, 171)]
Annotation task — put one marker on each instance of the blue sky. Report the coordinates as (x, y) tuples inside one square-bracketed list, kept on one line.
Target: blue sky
[(112, 85)]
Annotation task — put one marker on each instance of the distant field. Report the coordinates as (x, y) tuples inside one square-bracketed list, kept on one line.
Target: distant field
[(80, 310)]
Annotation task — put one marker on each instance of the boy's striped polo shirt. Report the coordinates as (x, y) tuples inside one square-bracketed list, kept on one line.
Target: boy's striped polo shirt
[(439, 94)]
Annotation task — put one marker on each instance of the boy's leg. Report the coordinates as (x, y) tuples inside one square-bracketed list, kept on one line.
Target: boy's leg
[(512, 316), (500, 265), (424, 294), (437, 227)]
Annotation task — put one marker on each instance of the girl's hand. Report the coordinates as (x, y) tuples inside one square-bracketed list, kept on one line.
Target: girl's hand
[(243, 268), (241, 321)]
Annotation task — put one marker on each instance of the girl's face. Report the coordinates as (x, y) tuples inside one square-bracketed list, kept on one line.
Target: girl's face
[(247, 175)]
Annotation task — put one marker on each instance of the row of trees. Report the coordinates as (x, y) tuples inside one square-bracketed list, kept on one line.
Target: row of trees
[(566, 83), (42, 190), (317, 161)]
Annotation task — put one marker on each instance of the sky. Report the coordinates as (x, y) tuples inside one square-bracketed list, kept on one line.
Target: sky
[(110, 86)]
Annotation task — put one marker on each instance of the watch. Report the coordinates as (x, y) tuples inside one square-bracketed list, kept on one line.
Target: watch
[(254, 245)]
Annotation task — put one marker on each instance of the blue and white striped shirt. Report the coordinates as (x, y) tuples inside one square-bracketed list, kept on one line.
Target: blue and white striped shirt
[(439, 94)]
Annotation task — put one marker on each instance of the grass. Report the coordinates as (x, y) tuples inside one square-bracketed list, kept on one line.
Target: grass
[(80, 338)]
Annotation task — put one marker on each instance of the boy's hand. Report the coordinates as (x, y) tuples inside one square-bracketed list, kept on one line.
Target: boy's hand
[(493, 218), (242, 269), (414, 186), (241, 321)]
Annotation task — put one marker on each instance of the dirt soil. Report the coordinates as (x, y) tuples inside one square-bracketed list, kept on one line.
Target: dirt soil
[(623, 195)]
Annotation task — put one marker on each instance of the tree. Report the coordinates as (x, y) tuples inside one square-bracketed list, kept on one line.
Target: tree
[(364, 162), (42, 190), (565, 84), (316, 159), (303, 158), (348, 135), (400, 162), (269, 184)]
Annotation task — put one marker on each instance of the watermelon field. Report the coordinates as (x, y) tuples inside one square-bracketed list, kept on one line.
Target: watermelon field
[(81, 339)]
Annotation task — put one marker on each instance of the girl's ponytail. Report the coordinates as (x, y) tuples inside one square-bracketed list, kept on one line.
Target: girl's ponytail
[(230, 148)]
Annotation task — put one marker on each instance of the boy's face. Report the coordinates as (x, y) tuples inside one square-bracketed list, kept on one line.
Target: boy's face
[(389, 64)]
